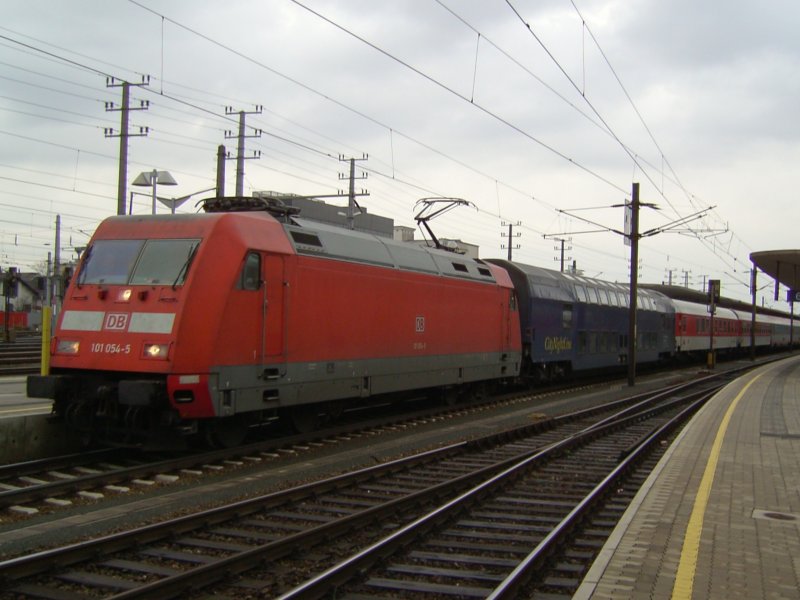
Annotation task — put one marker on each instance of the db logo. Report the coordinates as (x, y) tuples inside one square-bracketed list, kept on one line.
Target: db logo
[(117, 321), (419, 326)]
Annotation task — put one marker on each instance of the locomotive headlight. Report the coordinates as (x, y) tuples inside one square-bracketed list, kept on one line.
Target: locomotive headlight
[(124, 295), (68, 347), (157, 351)]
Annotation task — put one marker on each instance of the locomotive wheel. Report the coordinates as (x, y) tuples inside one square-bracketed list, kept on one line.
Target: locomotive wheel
[(451, 396), (305, 418), (79, 417), (227, 432)]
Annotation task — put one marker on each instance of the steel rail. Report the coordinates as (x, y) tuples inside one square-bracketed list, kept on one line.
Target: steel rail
[(61, 487), (342, 572), (510, 586), (213, 572), (31, 467), (25, 566), (43, 561)]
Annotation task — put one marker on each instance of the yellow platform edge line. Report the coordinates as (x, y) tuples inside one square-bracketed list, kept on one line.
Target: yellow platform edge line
[(684, 579)]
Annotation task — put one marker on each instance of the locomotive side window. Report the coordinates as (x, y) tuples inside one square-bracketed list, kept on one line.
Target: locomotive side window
[(251, 272)]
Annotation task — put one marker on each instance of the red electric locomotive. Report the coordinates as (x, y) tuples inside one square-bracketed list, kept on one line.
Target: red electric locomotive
[(207, 323)]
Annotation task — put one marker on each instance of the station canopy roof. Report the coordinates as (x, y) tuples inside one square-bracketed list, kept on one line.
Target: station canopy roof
[(781, 265)]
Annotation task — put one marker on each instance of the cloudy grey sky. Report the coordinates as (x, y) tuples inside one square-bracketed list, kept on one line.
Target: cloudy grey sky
[(525, 108)]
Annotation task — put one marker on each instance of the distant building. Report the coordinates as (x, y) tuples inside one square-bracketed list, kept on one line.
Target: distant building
[(28, 297), (24, 309), (315, 209), (403, 233), (406, 234)]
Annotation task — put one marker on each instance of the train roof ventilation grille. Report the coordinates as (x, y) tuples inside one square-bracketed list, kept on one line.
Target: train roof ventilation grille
[(307, 239)]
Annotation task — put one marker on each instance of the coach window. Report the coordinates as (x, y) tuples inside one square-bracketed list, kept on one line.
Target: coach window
[(251, 272), (566, 316)]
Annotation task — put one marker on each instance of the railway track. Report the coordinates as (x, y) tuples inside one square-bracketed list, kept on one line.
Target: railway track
[(21, 357), (55, 483), (476, 511)]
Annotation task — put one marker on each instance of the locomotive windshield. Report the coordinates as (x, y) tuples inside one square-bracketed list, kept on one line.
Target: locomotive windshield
[(138, 262)]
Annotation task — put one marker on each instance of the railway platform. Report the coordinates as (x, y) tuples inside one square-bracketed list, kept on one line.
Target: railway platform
[(720, 515)]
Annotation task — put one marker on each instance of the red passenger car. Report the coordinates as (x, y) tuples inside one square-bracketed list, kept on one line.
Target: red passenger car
[(208, 323), (693, 328)]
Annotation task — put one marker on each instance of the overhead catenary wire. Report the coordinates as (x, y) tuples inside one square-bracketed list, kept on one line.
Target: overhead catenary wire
[(635, 158), (403, 181)]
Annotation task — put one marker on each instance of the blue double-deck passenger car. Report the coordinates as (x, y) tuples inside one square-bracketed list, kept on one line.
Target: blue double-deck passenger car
[(572, 323)]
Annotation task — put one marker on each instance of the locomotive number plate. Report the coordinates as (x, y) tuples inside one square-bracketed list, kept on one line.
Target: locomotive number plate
[(99, 347)]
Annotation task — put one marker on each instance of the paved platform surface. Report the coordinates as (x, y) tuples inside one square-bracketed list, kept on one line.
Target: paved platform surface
[(720, 516)]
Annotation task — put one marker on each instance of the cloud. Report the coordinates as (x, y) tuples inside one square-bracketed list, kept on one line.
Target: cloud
[(480, 109)]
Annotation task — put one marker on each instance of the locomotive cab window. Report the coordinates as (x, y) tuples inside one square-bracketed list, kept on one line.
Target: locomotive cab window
[(250, 278), (164, 262), (109, 261), (138, 262)]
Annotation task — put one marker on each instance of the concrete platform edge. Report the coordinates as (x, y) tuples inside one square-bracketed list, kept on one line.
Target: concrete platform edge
[(32, 437)]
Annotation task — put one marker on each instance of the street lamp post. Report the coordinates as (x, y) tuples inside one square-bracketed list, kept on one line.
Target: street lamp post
[(173, 203), (153, 179)]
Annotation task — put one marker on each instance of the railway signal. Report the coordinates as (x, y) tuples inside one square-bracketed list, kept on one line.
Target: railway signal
[(714, 289), (10, 290)]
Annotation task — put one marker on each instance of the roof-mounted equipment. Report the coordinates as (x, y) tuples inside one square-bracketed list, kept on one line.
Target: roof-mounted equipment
[(274, 206), (433, 207)]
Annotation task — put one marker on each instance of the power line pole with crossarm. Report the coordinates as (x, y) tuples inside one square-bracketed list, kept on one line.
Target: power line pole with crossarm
[(124, 109)]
